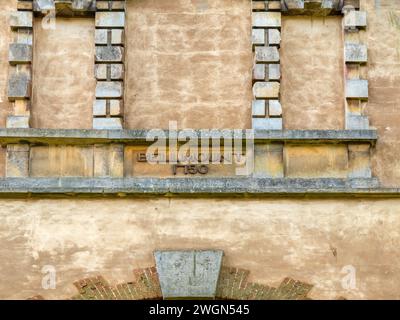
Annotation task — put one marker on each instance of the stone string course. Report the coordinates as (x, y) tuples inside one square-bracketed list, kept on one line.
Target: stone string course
[(233, 285)]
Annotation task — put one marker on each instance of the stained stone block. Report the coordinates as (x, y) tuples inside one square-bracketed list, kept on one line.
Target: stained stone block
[(43, 5), (356, 53), (25, 36), (117, 36), (259, 72), (17, 122), (109, 54), (274, 72), (357, 122), (294, 4), (267, 54), (258, 36), (355, 19), (107, 123), (109, 160), (19, 86), (268, 90), (188, 274), (109, 89), (19, 53), (267, 19), (113, 71), (274, 37), (115, 5), (64, 7), (267, 123), (275, 109), (359, 161), (21, 19), (259, 108), (357, 89), (268, 160), (110, 19), (17, 161)]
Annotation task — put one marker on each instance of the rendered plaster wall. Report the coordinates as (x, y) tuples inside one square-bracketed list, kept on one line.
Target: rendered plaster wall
[(383, 39), (63, 74), (312, 86), (190, 62), (7, 6), (309, 240)]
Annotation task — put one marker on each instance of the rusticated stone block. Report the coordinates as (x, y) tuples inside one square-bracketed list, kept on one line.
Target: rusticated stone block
[(18, 122), (274, 72), (109, 54), (188, 274), (258, 36), (266, 90), (356, 53), (267, 19), (110, 19), (355, 19), (267, 123), (356, 122), (259, 72), (17, 161), (267, 54), (109, 89), (21, 19), (110, 5), (100, 107), (259, 108), (268, 160), (109, 160), (107, 123), (274, 37), (117, 36), (19, 86), (109, 71), (275, 109), (357, 89), (19, 53)]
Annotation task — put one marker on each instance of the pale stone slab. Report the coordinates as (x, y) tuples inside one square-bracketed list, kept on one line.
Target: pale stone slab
[(109, 54), (107, 123), (267, 19), (274, 72), (275, 108), (274, 37), (357, 122), (259, 108), (21, 19), (356, 53), (259, 72), (17, 122), (19, 86), (266, 90), (267, 54), (267, 123), (109, 89), (116, 71), (188, 274), (357, 89), (355, 19), (117, 36), (110, 19), (19, 53)]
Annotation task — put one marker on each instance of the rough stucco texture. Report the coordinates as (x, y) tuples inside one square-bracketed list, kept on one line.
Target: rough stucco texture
[(308, 240), (190, 62), (312, 87), (63, 73), (6, 6), (383, 39)]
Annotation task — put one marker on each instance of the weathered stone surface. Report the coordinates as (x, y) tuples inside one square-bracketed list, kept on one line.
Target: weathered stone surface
[(117, 36), (109, 54), (259, 109), (107, 123), (356, 53), (266, 89), (17, 160), (108, 161), (274, 37), (267, 54), (259, 72), (357, 122), (109, 89), (21, 19), (65, 7), (188, 274), (359, 161), (267, 123), (110, 19), (357, 89), (312, 7), (19, 86), (258, 36), (274, 72), (268, 160), (275, 108), (355, 19), (20, 53), (266, 19), (109, 71), (17, 122)]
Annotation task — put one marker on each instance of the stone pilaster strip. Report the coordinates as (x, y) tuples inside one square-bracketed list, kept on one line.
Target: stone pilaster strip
[(109, 65), (266, 37), (20, 59), (356, 58)]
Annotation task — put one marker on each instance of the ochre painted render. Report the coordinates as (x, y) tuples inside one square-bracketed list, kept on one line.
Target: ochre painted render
[(307, 240)]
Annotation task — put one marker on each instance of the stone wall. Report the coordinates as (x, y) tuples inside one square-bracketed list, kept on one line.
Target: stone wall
[(307, 240)]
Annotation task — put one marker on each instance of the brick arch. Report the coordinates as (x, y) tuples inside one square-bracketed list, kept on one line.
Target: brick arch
[(233, 284)]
